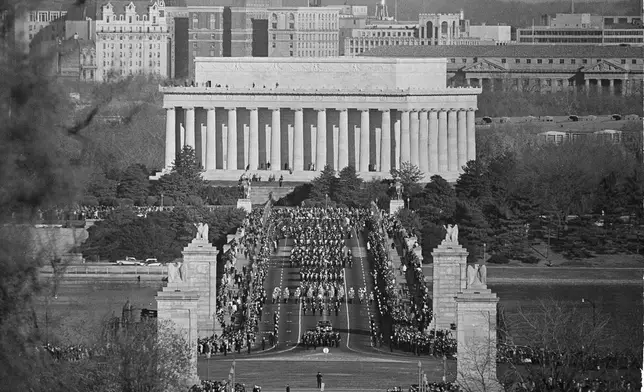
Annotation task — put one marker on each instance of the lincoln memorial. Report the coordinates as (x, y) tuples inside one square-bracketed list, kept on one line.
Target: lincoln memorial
[(293, 116)]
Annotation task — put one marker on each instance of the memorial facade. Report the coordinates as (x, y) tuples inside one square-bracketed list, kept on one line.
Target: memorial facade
[(296, 115)]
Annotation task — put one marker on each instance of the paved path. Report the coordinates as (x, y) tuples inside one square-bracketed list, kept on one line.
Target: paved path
[(357, 374)]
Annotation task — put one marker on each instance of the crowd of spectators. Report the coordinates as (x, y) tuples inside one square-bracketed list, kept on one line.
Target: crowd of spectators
[(407, 328), (241, 292), (217, 386), (524, 354), (69, 353)]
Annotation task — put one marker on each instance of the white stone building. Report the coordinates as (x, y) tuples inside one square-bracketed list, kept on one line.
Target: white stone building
[(131, 38)]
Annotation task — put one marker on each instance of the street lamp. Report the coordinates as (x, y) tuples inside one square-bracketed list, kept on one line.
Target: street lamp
[(326, 200), (584, 300)]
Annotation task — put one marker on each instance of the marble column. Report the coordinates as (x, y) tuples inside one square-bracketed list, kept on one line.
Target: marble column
[(253, 153), (343, 147), (170, 137), (414, 139), (385, 141), (442, 142), (611, 86), (405, 140), (190, 127), (232, 139), (471, 135), (202, 137), (452, 141), (432, 141), (267, 142), (314, 144), (211, 140), (276, 151), (182, 136), (423, 142), (336, 162), (462, 138), (246, 134), (396, 163), (224, 146), (378, 139), (320, 160), (364, 140), (290, 140), (298, 140), (356, 147)]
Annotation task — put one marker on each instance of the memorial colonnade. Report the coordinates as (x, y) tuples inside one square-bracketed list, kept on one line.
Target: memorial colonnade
[(235, 137)]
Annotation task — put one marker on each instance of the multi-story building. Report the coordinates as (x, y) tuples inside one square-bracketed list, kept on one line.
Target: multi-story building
[(443, 29), (303, 31), (584, 29), (499, 34), (539, 68), (131, 38), (351, 17), (430, 29), (29, 22)]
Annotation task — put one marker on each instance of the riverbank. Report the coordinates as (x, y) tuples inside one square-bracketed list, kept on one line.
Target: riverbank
[(556, 275)]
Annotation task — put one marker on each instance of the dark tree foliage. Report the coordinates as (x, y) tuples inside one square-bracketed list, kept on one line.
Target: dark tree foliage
[(161, 235), (134, 184), (348, 188), (324, 184), (185, 178), (437, 202), (474, 230)]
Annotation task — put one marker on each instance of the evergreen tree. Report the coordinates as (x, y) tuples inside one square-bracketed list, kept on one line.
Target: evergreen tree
[(473, 184), (185, 178), (473, 228), (134, 184), (437, 202), (324, 184), (348, 187)]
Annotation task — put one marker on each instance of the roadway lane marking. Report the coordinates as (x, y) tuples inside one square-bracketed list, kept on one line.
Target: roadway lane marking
[(346, 303)]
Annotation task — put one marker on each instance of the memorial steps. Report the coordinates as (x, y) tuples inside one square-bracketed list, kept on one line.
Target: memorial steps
[(232, 176)]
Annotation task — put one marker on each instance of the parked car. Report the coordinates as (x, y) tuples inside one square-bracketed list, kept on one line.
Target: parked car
[(129, 261), (152, 262)]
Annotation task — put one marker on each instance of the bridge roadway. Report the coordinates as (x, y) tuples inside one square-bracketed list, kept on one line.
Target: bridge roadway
[(354, 366), (352, 322)]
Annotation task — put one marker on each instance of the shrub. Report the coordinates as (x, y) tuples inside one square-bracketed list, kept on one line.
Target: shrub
[(90, 201), (124, 202), (498, 259), (193, 200), (109, 201), (530, 259)]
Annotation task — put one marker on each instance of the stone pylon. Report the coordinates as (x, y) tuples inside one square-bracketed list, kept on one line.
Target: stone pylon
[(178, 310), (476, 334), (450, 260), (200, 277)]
